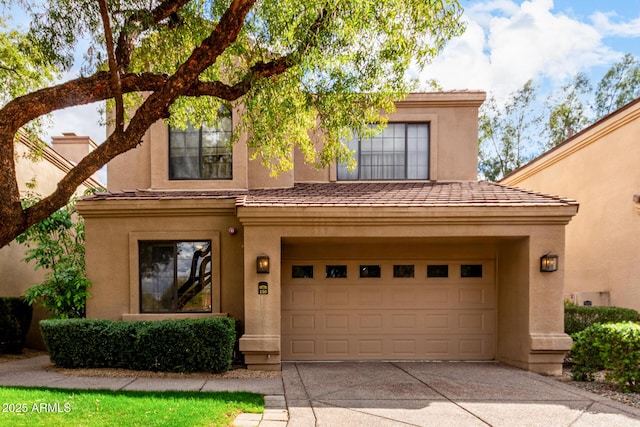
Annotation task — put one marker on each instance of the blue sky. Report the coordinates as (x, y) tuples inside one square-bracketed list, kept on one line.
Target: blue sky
[(506, 43), (509, 42)]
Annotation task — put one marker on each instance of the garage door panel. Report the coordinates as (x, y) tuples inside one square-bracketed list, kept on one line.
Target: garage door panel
[(336, 297), (401, 347), (298, 322), (369, 296), (388, 296), (476, 296), (303, 297), (354, 318), (437, 296)]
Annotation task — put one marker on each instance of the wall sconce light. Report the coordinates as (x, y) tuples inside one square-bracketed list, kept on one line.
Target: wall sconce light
[(262, 264), (548, 263)]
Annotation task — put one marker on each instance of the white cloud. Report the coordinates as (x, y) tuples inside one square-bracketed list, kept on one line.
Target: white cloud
[(463, 60), (507, 44), (604, 23)]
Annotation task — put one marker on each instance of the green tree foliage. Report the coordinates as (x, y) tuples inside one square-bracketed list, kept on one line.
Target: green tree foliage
[(506, 133), (568, 112), (57, 245), (619, 86), (514, 133), (23, 69), (296, 66)]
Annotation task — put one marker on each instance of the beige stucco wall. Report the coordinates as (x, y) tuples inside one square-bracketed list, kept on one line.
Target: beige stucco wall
[(453, 151), (453, 118), (599, 168), (113, 229), (530, 321), (17, 275), (529, 318)]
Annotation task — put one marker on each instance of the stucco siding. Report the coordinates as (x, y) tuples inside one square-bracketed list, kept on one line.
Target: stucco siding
[(599, 169), (112, 235)]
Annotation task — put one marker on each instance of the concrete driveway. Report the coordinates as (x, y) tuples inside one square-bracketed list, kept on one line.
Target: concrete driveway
[(439, 394)]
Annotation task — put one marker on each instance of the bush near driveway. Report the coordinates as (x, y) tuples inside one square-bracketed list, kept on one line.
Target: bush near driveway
[(614, 347), (578, 318), (187, 345)]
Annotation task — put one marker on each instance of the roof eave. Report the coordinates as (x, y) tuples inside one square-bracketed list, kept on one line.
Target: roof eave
[(375, 215)]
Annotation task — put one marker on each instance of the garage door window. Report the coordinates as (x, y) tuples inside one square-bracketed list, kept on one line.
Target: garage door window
[(471, 270), (370, 271), (302, 272), (403, 271), (438, 270), (336, 271)]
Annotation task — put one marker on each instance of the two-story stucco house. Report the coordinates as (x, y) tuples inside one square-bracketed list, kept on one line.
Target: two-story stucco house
[(407, 257), (600, 168)]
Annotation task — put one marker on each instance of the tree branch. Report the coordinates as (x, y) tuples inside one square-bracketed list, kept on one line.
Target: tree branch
[(113, 66), (136, 24), (103, 85)]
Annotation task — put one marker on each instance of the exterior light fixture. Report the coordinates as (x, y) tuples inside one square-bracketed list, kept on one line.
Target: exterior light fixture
[(548, 263), (262, 264)]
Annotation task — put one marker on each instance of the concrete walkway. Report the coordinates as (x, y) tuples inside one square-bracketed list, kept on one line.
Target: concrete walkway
[(377, 394), (440, 394)]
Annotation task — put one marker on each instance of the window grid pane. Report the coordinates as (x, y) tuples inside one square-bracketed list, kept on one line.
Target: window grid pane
[(401, 151), (204, 153)]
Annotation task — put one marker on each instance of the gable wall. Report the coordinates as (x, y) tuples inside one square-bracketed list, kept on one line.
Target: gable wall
[(599, 169)]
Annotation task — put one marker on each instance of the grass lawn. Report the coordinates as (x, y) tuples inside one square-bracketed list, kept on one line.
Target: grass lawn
[(26, 406)]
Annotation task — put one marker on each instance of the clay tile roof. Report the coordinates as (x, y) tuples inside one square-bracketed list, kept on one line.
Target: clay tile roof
[(353, 194), (399, 194)]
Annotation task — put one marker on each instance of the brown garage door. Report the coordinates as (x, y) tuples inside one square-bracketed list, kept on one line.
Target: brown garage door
[(423, 310)]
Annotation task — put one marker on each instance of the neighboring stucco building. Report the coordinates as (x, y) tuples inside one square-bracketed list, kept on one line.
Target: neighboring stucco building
[(44, 171), (600, 168), (408, 257)]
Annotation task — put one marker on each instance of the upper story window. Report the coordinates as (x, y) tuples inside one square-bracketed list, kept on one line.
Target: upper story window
[(401, 151), (204, 153)]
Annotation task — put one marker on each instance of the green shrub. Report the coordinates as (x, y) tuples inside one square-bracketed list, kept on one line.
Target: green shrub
[(614, 347), (15, 319), (577, 318), (168, 345), (56, 244), (165, 346), (213, 350)]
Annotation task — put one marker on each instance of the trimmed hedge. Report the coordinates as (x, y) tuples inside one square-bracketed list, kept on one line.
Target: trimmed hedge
[(187, 345), (614, 347), (15, 320), (578, 318)]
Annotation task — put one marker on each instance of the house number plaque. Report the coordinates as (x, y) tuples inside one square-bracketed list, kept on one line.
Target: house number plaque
[(263, 288)]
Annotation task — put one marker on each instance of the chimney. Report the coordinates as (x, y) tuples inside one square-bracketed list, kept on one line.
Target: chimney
[(73, 147)]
